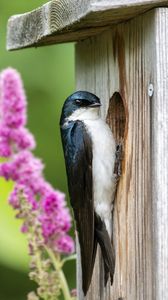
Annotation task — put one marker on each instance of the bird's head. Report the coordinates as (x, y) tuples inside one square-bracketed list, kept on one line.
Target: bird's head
[(80, 105)]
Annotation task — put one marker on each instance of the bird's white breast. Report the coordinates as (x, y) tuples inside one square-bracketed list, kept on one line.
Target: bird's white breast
[(103, 161), (103, 168)]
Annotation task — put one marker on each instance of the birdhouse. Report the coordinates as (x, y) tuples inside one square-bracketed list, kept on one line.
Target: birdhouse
[(121, 56)]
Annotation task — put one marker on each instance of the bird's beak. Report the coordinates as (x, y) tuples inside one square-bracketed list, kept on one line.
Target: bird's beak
[(96, 104)]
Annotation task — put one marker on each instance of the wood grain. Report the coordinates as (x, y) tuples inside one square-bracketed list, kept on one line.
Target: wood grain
[(159, 142), (127, 59), (70, 20)]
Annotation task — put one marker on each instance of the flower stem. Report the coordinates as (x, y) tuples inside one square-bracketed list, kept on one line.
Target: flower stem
[(68, 258), (57, 264)]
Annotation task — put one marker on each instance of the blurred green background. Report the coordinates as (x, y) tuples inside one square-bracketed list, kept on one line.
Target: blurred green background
[(48, 75)]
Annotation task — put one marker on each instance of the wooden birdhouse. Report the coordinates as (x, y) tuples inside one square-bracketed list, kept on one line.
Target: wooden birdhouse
[(121, 56)]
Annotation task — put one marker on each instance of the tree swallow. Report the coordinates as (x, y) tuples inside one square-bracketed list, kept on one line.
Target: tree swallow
[(89, 151)]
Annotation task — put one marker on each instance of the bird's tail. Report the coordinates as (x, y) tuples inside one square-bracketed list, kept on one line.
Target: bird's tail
[(107, 249)]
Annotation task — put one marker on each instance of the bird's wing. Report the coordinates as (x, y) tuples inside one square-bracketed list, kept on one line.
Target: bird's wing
[(78, 158)]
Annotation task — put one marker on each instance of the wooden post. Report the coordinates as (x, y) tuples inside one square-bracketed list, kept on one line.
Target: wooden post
[(126, 65)]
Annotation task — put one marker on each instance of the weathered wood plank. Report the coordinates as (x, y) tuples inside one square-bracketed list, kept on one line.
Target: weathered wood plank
[(127, 59), (159, 145), (70, 20)]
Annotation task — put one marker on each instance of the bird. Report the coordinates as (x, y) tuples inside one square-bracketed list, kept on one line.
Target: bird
[(89, 152)]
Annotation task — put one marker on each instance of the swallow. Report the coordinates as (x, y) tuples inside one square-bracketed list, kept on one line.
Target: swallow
[(89, 152)]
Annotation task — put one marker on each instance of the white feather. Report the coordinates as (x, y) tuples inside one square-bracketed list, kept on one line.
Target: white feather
[(103, 161)]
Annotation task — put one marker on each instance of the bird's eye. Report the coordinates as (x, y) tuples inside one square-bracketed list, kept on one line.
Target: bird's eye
[(82, 102), (78, 101)]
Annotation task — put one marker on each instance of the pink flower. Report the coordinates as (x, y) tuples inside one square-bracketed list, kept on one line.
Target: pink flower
[(65, 244), (74, 293), (24, 228), (14, 200), (5, 170), (54, 216), (55, 221), (5, 149), (52, 202), (13, 100), (15, 140), (21, 139), (21, 192), (13, 135), (31, 194)]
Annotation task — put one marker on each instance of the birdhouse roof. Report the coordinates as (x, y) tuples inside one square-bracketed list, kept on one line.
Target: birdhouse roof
[(61, 21)]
